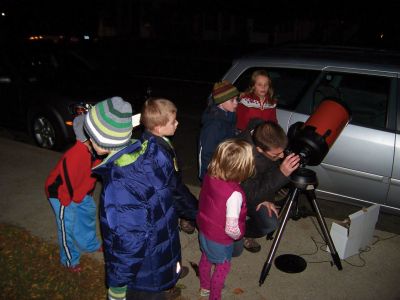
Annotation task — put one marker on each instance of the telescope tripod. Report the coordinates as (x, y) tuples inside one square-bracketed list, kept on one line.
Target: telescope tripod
[(304, 180)]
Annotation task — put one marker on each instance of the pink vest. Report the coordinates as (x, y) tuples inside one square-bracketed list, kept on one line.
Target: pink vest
[(211, 218)]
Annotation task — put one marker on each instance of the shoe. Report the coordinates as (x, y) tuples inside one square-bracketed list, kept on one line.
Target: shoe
[(251, 245), (173, 293), (184, 272), (75, 269), (187, 226), (204, 292)]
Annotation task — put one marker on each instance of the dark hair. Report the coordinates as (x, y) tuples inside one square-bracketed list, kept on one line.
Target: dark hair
[(269, 135)]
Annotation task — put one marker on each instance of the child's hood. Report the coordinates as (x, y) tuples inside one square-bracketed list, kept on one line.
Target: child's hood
[(100, 169)]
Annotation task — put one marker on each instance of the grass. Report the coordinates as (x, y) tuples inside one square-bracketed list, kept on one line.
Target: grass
[(30, 269)]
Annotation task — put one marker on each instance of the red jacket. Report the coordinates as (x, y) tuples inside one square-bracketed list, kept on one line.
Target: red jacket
[(249, 107), (71, 179)]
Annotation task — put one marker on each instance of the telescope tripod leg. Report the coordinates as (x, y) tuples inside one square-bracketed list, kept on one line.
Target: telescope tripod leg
[(322, 224), (293, 198)]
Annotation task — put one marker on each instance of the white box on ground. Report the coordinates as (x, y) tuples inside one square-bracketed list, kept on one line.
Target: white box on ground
[(349, 240)]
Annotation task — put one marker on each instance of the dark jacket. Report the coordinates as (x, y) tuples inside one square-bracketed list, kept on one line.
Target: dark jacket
[(267, 180), (138, 221), (185, 203), (217, 126)]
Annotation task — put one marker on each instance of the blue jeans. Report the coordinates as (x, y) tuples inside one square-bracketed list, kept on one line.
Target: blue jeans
[(76, 229), (259, 223)]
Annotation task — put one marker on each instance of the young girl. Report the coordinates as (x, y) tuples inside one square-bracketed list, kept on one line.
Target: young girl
[(257, 101), (222, 212)]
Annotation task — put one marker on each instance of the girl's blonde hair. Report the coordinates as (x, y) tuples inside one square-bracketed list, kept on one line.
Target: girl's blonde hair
[(253, 79), (232, 161), (157, 112)]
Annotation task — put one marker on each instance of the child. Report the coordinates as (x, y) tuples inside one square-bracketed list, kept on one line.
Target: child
[(218, 122), (138, 221), (69, 189), (258, 101), (222, 212), (159, 119)]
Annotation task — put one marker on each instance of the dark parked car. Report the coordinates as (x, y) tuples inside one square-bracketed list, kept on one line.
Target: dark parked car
[(43, 85)]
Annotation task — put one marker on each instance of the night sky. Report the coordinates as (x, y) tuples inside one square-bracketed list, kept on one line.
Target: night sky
[(24, 17)]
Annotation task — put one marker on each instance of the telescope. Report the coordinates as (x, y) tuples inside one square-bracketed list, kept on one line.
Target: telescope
[(311, 140)]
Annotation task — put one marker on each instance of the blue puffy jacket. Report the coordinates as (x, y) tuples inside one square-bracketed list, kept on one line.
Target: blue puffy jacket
[(138, 221), (185, 203)]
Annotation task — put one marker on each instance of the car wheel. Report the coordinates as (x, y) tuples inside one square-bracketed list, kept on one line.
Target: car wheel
[(46, 132)]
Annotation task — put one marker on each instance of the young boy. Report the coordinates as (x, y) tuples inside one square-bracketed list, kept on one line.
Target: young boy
[(159, 119), (138, 222), (218, 122), (69, 189)]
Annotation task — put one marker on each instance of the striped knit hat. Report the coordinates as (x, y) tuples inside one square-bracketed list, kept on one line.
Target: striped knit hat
[(223, 91), (109, 123)]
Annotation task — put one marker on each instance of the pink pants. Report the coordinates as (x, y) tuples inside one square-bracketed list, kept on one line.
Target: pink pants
[(214, 282)]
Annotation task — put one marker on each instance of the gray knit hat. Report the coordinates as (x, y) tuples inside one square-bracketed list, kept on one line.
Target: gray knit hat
[(109, 123), (78, 128)]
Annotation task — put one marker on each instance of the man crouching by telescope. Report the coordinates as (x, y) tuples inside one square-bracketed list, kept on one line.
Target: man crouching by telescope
[(269, 141)]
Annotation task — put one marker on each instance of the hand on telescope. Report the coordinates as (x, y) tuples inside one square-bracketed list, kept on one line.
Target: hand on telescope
[(289, 164), (270, 207)]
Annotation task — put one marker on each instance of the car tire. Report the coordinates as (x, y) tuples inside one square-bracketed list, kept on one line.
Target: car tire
[(46, 132)]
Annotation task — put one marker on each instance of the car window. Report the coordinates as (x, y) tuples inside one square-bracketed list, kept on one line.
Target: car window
[(366, 96), (289, 84)]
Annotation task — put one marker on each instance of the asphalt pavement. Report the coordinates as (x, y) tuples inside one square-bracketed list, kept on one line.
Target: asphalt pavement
[(371, 275)]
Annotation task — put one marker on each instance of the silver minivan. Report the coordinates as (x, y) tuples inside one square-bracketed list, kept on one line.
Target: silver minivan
[(363, 165)]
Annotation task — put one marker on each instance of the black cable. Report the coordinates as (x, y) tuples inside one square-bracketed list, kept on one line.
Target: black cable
[(379, 239), (324, 244)]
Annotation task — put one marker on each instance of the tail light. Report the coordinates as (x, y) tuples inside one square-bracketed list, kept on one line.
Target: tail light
[(76, 110)]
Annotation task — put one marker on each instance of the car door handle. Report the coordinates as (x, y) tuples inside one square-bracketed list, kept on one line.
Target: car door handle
[(355, 173)]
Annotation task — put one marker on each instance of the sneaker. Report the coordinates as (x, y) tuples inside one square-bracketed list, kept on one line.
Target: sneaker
[(251, 245), (184, 272), (204, 292), (75, 269)]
